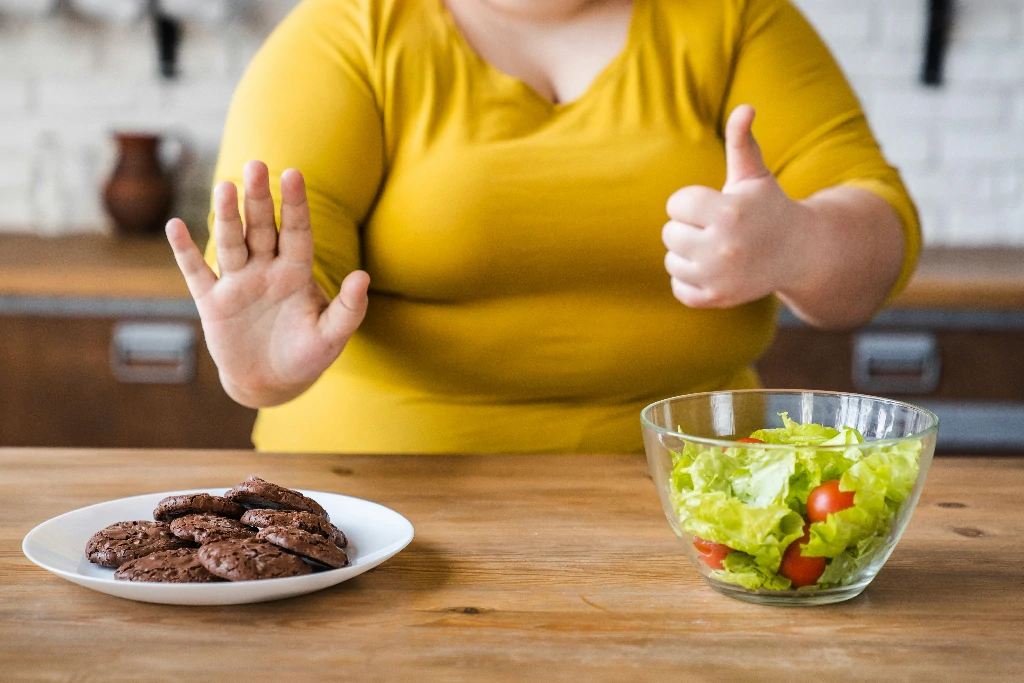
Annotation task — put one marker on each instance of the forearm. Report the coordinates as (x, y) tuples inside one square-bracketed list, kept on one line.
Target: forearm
[(849, 256)]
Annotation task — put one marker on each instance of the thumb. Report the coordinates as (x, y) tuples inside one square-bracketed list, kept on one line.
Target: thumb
[(743, 158), (343, 315)]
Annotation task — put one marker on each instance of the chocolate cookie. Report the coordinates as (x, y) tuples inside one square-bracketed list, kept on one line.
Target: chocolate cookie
[(250, 560), (256, 493), (203, 529), (300, 520), (312, 546), (166, 566), (126, 541), (172, 507)]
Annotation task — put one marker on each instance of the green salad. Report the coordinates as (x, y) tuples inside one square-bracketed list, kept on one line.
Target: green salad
[(813, 515)]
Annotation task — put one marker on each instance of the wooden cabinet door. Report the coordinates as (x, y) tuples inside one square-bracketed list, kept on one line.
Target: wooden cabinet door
[(976, 365), (58, 389)]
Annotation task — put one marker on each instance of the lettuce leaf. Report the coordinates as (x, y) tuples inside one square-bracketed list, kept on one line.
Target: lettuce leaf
[(796, 433), (764, 481), (850, 563), (742, 569), (844, 529)]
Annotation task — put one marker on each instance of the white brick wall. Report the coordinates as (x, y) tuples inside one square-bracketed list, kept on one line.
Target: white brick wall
[(960, 147), (67, 81)]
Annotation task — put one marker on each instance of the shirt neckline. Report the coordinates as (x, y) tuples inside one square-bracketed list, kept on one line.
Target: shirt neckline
[(610, 70)]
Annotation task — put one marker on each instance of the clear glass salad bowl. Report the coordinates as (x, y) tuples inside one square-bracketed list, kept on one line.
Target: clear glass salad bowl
[(836, 476)]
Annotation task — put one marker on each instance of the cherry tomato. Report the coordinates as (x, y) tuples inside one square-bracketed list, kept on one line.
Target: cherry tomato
[(826, 499), (802, 571), (708, 547), (714, 560), (712, 553)]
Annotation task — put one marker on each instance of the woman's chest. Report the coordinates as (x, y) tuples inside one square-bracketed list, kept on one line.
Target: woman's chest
[(493, 191), (539, 214)]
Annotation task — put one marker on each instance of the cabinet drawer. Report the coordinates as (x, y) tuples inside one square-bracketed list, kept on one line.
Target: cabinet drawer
[(63, 383), (977, 366)]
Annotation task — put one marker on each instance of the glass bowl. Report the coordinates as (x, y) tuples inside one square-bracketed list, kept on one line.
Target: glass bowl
[(746, 495)]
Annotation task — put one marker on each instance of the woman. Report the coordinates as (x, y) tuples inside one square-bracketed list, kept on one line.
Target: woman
[(501, 169)]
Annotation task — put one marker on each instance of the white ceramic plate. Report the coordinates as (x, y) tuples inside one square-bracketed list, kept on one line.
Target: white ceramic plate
[(375, 534)]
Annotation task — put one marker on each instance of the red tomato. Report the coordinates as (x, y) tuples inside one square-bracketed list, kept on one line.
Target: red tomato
[(826, 499), (708, 547), (714, 560), (713, 553), (802, 571)]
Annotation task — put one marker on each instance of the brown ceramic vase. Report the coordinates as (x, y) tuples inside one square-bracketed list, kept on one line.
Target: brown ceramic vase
[(140, 191)]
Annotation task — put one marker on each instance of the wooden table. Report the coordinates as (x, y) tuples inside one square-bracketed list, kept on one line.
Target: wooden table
[(523, 568)]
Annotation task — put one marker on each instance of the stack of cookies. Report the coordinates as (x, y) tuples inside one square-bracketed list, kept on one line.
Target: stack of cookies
[(256, 530)]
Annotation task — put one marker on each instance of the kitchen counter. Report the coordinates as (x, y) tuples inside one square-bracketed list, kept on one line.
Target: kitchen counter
[(990, 278), (523, 568), (91, 266)]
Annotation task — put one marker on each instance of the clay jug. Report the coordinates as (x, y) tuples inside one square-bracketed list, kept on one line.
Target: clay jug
[(139, 193)]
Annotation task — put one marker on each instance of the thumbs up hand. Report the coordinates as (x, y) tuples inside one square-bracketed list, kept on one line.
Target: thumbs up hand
[(735, 246)]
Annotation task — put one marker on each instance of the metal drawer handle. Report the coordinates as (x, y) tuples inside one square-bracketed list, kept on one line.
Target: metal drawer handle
[(153, 353), (896, 363)]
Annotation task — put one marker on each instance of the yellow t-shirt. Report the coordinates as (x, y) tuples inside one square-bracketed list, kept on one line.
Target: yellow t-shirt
[(519, 301)]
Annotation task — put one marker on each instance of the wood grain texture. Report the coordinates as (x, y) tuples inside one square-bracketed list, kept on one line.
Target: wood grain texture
[(523, 568), (92, 266)]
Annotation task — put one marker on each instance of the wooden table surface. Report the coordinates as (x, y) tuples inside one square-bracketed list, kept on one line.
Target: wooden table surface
[(143, 268), (523, 568)]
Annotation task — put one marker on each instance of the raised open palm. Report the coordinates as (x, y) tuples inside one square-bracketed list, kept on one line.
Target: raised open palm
[(270, 329)]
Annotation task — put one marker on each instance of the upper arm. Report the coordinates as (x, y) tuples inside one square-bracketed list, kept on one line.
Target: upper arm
[(307, 102), (810, 125)]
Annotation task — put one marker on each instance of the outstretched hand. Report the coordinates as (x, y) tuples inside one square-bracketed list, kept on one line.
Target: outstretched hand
[(729, 247), (270, 329)]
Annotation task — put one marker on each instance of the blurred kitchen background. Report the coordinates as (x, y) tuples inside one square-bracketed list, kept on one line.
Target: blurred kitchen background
[(99, 343), (73, 71)]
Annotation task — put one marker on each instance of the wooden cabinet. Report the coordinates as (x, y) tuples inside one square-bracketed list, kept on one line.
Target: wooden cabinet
[(974, 365), (60, 385)]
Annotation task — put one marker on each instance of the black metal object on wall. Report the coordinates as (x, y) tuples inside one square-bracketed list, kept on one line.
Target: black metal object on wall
[(168, 33), (940, 19)]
